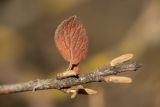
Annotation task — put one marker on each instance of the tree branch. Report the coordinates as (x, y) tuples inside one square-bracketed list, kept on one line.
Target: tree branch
[(53, 83)]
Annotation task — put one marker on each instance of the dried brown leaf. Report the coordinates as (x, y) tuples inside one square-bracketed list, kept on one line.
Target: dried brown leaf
[(71, 40)]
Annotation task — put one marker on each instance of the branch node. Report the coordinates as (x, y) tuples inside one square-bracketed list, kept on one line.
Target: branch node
[(37, 85)]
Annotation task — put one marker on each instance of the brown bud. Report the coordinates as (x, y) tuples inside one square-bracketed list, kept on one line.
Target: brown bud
[(121, 59), (117, 79), (71, 40)]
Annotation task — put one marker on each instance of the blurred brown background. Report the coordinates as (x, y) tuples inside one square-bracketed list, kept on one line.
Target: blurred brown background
[(114, 27)]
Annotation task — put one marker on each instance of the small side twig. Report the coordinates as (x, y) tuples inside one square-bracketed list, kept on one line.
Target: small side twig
[(93, 76)]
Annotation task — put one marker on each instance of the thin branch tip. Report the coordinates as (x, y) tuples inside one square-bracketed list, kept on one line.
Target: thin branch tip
[(70, 82)]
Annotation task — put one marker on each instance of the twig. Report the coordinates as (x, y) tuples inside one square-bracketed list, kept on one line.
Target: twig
[(93, 76)]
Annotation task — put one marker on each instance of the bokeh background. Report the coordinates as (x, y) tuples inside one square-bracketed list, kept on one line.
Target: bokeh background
[(114, 27)]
